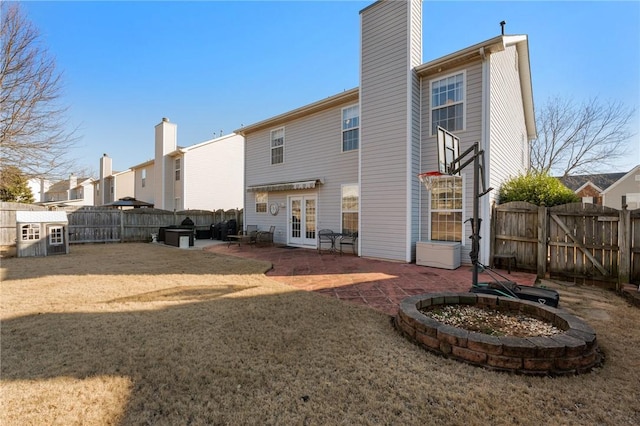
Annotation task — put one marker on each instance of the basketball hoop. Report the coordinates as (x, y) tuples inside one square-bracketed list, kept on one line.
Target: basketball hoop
[(427, 179)]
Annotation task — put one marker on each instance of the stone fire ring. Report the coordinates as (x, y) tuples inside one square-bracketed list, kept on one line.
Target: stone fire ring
[(571, 352)]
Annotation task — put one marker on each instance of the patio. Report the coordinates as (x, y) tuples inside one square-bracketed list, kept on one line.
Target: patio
[(378, 284)]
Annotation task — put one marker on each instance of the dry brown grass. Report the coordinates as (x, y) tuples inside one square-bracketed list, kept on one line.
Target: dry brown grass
[(145, 334)]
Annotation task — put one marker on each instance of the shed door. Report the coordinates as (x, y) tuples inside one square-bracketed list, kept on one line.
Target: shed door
[(56, 243)]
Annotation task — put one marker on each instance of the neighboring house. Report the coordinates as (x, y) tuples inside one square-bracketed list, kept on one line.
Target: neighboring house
[(625, 191), (39, 186), (350, 162), (590, 187), (205, 176), (74, 191), (112, 186)]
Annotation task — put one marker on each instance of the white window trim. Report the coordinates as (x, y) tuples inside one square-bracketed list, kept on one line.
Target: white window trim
[(51, 236), (463, 102), (33, 230), (342, 130), (177, 171), (271, 147), (266, 203), (343, 211), (464, 209)]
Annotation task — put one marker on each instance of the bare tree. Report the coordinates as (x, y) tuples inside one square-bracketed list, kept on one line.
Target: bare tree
[(580, 139), (33, 127)]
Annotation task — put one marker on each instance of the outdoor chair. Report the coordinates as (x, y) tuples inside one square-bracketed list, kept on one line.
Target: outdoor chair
[(349, 240), (324, 238), (252, 232), (266, 236)]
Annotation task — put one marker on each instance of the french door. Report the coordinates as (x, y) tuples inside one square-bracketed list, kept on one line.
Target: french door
[(302, 221)]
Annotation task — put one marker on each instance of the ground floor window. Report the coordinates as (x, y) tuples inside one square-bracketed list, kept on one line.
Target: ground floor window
[(56, 236), (30, 231), (446, 208), (350, 206), (261, 202)]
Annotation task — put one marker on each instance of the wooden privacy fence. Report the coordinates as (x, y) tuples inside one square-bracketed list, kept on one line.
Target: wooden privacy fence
[(94, 225), (101, 225), (570, 241)]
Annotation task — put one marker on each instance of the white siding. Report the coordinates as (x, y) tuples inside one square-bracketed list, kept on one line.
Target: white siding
[(147, 192), (472, 133), (508, 148), (628, 184), (312, 149), (389, 51), (212, 174)]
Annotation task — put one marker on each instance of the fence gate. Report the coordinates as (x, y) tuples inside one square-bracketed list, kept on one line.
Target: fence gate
[(634, 275), (515, 231), (583, 242)]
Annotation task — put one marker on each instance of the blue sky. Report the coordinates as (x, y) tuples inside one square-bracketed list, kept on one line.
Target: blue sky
[(216, 65)]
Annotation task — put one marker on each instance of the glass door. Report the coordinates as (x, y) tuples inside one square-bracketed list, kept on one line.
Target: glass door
[(302, 222)]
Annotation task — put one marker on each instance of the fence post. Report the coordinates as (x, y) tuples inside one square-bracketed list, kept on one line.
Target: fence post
[(121, 226), (492, 233), (543, 231), (624, 247)]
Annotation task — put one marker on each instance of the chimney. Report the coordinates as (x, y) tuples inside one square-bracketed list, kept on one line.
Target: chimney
[(73, 181)]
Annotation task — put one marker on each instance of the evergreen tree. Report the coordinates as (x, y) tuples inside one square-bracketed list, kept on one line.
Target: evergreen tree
[(14, 186)]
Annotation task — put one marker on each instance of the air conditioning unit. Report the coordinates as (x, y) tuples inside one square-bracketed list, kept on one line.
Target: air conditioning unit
[(438, 254)]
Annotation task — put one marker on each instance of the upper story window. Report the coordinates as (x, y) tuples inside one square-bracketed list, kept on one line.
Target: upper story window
[(143, 175), (177, 168), (277, 146), (261, 202), (350, 128), (447, 103)]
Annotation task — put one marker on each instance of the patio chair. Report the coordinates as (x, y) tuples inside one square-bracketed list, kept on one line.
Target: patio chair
[(266, 236), (252, 232), (349, 240), (324, 238)]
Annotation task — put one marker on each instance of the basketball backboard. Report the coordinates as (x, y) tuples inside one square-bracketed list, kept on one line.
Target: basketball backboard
[(448, 151)]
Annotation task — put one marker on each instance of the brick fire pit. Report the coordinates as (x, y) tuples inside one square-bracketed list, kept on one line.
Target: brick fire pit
[(573, 351)]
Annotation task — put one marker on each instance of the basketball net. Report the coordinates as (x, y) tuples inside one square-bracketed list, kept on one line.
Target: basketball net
[(428, 178)]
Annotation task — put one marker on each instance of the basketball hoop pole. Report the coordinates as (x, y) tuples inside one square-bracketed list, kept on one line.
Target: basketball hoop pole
[(478, 178)]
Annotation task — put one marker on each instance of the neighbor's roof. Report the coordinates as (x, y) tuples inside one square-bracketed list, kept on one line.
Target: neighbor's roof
[(602, 181), (41, 216)]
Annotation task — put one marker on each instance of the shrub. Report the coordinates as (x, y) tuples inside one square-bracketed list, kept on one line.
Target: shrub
[(536, 188)]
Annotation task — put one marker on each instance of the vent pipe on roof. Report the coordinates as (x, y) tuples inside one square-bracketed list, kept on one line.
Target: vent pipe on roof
[(502, 24)]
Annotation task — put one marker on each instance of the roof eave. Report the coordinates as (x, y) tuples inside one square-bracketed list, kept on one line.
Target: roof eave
[(346, 96)]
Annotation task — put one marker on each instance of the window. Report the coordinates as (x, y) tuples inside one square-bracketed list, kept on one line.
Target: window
[(30, 231), (56, 236), (446, 209), (261, 202), (350, 128), (350, 204), (177, 168), (143, 174), (447, 103), (277, 146)]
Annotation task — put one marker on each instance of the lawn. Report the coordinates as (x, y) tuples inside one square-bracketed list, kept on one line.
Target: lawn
[(131, 334)]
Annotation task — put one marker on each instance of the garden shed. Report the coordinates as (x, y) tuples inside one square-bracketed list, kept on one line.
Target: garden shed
[(41, 233)]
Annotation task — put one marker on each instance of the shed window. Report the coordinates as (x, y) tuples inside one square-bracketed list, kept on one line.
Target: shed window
[(56, 235), (30, 231)]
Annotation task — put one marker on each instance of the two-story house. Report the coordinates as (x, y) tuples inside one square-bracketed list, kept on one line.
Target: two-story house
[(350, 162)]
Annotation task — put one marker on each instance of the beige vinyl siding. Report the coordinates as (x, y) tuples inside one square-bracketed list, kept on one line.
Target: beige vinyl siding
[(312, 149), (385, 103), (213, 174), (508, 140), (145, 194), (628, 184), (472, 133)]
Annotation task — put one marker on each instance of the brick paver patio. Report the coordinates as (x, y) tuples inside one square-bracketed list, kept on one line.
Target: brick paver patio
[(379, 284)]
